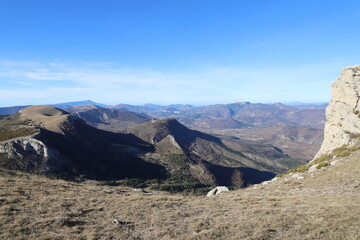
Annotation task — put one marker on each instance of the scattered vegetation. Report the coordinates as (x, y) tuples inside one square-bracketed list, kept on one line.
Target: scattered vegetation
[(180, 177), (241, 155), (353, 135), (174, 184), (301, 168), (179, 160), (280, 175), (132, 182), (322, 164), (357, 112), (3, 158), (292, 162), (345, 151), (192, 188), (14, 127), (21, 132), (325, 159)]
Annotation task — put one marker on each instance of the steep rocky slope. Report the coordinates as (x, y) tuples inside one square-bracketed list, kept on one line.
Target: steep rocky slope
[(343, 113), (342, 129)]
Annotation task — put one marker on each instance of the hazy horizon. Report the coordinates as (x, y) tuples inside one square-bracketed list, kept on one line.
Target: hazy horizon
[(194, 105)]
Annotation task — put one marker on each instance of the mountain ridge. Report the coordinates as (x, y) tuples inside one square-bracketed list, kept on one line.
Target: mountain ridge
[(48, 140), (108, 119), (237, 115), (59, 144)]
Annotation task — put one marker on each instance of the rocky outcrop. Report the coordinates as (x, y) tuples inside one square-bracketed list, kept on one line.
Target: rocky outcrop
[(31, 155), (217, 191), (24, 146), (343, 113)]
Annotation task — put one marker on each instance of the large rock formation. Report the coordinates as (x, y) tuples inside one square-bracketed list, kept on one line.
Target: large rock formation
[(343, 113)]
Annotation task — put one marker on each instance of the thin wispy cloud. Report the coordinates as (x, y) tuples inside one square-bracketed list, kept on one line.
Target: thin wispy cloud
[(36, 82)]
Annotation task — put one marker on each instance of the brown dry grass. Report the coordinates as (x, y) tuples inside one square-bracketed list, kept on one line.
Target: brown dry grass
[(323, 205), (50, 117)]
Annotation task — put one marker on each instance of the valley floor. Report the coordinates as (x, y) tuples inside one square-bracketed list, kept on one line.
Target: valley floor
[(323, 205)]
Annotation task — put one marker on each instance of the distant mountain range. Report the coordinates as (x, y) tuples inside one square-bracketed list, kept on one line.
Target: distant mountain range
[(276, 124), (14, 109), (77, 103), (236, 115), (302, 105), (220, 116)]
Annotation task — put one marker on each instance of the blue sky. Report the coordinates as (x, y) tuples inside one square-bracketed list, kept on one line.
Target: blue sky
[(197, 52)]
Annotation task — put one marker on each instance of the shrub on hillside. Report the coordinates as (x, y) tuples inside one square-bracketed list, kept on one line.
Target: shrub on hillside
[(324, 160)]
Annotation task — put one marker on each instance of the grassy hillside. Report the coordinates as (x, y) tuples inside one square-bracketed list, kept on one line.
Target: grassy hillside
[(14, 127), (324, 204)]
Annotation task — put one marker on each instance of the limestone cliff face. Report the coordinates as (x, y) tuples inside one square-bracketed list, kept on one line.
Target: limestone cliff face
[(22, 146), (343, 113), (31, 155)]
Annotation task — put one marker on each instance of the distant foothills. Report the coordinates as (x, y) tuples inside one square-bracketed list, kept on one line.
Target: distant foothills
[(295, 128), (221, 111), (236, 144)]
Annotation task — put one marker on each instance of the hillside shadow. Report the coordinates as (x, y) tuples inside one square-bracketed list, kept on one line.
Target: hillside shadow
[(99, 155), (245, 176)]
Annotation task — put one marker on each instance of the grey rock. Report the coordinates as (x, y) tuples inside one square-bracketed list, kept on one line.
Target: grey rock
[(343, 113), (217, 191)]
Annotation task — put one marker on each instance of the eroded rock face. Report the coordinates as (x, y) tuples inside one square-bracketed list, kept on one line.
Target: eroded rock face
[(23, 146), (30, 155), (343, 113)]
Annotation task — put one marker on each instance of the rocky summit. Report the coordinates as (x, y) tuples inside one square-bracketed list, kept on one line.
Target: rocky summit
[(343, 113)]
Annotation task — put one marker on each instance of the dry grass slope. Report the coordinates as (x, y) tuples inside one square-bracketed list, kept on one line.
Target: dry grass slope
[(52, 118), (325, 204)]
